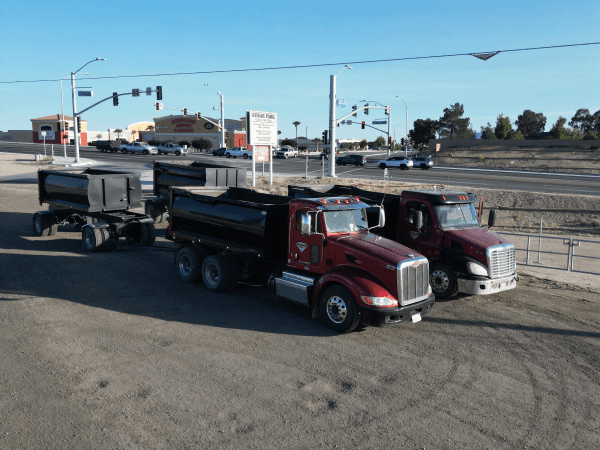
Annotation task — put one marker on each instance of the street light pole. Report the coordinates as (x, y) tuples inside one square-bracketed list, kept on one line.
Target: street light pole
[(406, 137), (222, 138), (332, 121), (62, 106), (75, 129)]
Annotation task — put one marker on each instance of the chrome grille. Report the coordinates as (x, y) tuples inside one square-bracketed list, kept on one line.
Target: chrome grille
[(413, 280), (501, 260)]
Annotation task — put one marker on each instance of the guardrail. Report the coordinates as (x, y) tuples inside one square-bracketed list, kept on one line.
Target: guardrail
[(564, 260)]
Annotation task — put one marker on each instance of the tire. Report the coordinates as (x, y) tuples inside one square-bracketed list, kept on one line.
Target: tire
[(442, 280), (41, 226), (124, 151), (403, 167), (357, 164), (145, 152), (227, 155), (382, 166), (188, 263), (153, 211), (423, 167), (147, 234), (339, 310), (92, 239), (216, 273), (245, 156), (177, 153)]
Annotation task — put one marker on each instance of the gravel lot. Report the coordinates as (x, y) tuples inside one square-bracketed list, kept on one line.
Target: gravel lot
[(112, 350)]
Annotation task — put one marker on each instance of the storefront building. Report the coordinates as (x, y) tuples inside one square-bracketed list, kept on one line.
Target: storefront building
[(57, 131), (188, 128)]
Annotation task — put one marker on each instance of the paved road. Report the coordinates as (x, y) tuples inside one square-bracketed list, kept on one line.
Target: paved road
[(552, 183)]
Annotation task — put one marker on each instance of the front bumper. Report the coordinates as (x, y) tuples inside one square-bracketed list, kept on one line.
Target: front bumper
[(385, 317), (482, 287)]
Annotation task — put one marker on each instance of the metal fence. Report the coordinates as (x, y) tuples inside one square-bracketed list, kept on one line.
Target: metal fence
[(545, 251)]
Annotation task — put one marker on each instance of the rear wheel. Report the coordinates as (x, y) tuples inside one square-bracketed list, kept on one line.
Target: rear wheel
[(92, 239), (423, 167), (41, 226), (124, 151), (216, 273), (156, 212), (245, 155), (145, 152), (403, 167), (339, 310), (147, 234), (382, 166), (189, 264), (177, 153), (442, 280)]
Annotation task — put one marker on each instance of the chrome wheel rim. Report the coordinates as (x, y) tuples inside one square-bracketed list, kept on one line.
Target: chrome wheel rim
[(185, 265), (211, 274), (439, 280), (336, 309), (90, 238)]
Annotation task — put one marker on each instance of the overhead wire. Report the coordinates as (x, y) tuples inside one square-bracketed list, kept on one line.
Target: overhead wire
[(310, 66)]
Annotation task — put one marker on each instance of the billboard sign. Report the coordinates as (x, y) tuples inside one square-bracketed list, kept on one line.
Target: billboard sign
[(262, 128)]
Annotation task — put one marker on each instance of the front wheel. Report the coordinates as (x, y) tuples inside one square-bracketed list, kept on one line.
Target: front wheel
[(339, 310), (145, 152), (227, 155), (403, 167), (177, 153), (124, 151), (382, 166), (245, 156), (442, 280)]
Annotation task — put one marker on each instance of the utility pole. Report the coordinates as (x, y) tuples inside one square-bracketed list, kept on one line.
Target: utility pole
[(332, 121)]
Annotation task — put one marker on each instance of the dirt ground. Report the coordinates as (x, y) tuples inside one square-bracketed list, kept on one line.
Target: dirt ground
[(112, 350)]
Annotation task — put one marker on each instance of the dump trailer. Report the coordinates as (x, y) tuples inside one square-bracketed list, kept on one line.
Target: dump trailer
[(98, 202), (445, 227), (186, 174), (317, 252)]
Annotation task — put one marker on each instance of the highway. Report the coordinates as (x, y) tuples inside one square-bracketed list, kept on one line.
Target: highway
[(550, 183)]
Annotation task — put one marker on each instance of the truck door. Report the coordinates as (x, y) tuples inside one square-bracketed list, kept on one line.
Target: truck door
[(423, 240), (306, 251)]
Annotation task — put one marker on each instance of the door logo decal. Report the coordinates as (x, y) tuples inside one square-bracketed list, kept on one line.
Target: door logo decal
[(302, 246), (414, 234)]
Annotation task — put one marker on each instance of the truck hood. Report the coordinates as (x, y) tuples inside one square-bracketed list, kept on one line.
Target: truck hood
[(473, 241), (387, 251)]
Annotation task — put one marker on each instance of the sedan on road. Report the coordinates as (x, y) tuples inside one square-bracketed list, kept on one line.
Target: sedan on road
[(423, 162), (357, 160), (396, 161)]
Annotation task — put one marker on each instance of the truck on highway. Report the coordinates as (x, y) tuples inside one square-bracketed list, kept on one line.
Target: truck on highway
[(317, 252), (139, 147), (187, 174), (108, 146), (96, 201), (242, 152), (171, 147), (445, 227)]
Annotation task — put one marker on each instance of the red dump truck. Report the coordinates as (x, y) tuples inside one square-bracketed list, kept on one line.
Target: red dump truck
[(444, 227), (317, 252)]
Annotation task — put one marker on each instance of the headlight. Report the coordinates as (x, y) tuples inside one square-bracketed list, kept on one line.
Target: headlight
[(379, 301), (477, 269)]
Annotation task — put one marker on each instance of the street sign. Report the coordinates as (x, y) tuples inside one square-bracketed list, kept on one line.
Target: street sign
[(348, 122), (340, 102), (148, 91), (379, 122), (85, 93), (263, 152)]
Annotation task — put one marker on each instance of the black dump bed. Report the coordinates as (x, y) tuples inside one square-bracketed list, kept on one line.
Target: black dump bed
[(186, 174), (235, 219), (90, 190)]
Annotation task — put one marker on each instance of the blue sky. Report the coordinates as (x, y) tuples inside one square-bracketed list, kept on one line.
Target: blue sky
[(40, 41)]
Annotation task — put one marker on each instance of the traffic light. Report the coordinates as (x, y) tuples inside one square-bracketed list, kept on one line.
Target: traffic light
[(410, 142), (367, 109), (226, 134), (402, 141), (157, 105), (185, 111), (325, 134), (387, 110), (363, 125), (158, 92), (389, 140), (354, 109), (115, 99), (198, 115), (79, 124)]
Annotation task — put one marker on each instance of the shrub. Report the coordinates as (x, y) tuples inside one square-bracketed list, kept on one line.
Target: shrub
[(201, 144), (182, 143)]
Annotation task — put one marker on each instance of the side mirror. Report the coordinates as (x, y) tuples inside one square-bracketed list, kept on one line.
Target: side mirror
[(306, 224), (381, 217), (418, 220), (492, 218)]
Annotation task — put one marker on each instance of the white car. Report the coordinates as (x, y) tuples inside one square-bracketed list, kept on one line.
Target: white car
[(239, 151), (139, 147), (396, 161)]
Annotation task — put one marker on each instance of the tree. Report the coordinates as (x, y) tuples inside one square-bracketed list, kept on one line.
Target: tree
[(188, 143), (531, 124), (290, 142), (118, 131), (380, 141), (296, 123), (487, 132), (150, 128), (452, 125), (350, 145), (363, 143), (582, 120), (558, 130), (202, 144), (503, 127), (423, 131)]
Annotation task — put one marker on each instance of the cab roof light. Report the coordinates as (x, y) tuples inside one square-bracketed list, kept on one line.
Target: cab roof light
[(322, 200), (356, 199)]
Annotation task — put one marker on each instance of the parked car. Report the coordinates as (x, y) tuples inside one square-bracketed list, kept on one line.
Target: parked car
[(239, 151), (139, 147), (172, 148), (357, 160), (108, 146), (287, 152), (423, 162), (219, 152), (396, 161)]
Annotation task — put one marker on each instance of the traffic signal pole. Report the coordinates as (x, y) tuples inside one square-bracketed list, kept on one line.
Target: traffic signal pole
[(332, 126)]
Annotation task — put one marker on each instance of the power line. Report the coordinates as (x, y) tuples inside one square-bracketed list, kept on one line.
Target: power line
[(310, 66)]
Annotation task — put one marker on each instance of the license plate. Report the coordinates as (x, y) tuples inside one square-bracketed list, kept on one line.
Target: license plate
[(416, 317)]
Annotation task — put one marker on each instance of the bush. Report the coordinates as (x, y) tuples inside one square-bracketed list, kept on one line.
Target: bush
[(182, 143), (154, 142), (201, 144)]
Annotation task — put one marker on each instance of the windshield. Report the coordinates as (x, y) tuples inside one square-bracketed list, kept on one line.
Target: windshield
[(457, 215), (345, 221)]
